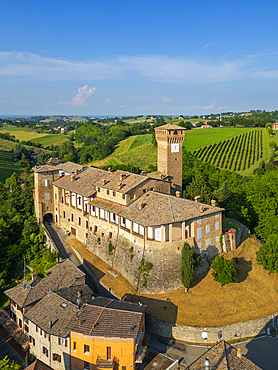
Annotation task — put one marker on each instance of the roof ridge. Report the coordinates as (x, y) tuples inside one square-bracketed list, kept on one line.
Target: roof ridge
[(225, 352), (171, 208)]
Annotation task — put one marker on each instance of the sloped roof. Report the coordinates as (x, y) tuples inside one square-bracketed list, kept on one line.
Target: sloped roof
[(60, 276), (53, 314), (163, 209), (169, 126), (104, 321), (84, 183), (223, 356), (45, 168), (38, 365)]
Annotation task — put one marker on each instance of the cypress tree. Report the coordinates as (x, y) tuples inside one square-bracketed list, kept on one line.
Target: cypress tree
[(187, 271)]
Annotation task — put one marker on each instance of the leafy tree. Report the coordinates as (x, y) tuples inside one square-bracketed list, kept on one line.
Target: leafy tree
[(224, 271), (187, 270), (7, 364), (223, 194), (199, 187), (267, 255)]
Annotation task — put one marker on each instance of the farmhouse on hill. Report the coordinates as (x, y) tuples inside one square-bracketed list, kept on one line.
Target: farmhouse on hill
[(132, 220)]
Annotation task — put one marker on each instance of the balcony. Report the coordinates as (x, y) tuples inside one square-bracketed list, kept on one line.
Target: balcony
[(102, 364)]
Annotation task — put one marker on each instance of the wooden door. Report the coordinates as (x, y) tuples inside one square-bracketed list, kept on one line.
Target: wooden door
[(73, 231), (20, 323), (108, 353)]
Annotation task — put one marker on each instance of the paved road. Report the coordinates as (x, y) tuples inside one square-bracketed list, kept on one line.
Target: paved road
[(262, 351)]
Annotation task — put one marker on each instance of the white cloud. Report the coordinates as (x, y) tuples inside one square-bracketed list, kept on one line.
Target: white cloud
[(1, 101), (211, 105), (108, 101), (122, 105), (19, 104), (166, 100), (81, 97)]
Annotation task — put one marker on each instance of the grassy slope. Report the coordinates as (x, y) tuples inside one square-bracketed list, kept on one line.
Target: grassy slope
[(197, 138), (7, 165), (253, 295), (21, 134), (49, 139), (135, 150)]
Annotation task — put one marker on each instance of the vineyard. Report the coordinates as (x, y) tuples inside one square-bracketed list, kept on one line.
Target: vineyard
[(235, 154)]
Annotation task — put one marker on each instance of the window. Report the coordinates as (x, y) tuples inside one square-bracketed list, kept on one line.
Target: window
[(207, 228), (71, 217), (107, 191), (217, 215), (79, 220), (45, 351), (123, 196), (101, 213), (122, 221), (55, 196), (74, 346), (86, 365), (62, 199), (208, 243), (123, 367), (199, 220), (64, 214), (86, 349), (200, 245), (79, 201), (199, 233), (47, 196), (217, 239), (217, 226), (56, 357), (87, 224), (114, 193), (46, 182), (95, 229), (37, 329), (26, 328), (98, 189)]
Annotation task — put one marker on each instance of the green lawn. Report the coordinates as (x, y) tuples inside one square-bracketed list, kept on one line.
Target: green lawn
[(8, 166)]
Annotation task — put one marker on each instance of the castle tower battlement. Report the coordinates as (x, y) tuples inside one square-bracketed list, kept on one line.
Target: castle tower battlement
[(169, 153)]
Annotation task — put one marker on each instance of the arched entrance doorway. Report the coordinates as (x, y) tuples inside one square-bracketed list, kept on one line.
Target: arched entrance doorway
[(48, 217)]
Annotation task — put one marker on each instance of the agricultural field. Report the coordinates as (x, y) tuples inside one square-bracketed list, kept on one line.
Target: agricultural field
[(20, 133), (49, 139), (8, 166), (238, 153), (199, 137), (136, 151)]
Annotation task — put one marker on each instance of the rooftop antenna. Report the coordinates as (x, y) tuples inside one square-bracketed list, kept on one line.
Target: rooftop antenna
[(220, 114), (24, 268)]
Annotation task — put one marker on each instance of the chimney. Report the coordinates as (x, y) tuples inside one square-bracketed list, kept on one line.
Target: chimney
[(197, 199), (178, 194), (50, 324), (34, 275), (202, 209), (119, 185), (213, 202), (103, 181), (76, 172), (122, 177), (109, 169), (161, 176), (239, 354), (141, 205), (82, 168), (73, 177), (143, 173)]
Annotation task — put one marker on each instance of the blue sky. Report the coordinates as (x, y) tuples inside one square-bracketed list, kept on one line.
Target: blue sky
[(144, 57)]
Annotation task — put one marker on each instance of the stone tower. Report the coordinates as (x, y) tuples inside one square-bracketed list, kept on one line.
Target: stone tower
[(169, 153)]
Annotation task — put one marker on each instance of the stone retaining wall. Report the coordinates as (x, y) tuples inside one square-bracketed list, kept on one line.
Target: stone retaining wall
[(190, 334)]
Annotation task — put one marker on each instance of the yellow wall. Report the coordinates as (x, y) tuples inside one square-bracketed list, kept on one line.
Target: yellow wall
[(122, 350)]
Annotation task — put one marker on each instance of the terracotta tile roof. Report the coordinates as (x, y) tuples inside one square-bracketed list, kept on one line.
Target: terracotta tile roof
[(102, 321), (130, 181), (70, 167), (38, 365), (84, 183), (223, 356), (118, 305), (162, 209), (62, 275), (55, 311), (10, 326)]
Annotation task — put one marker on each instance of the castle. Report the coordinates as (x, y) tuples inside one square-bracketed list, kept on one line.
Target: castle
[(136, 223)]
